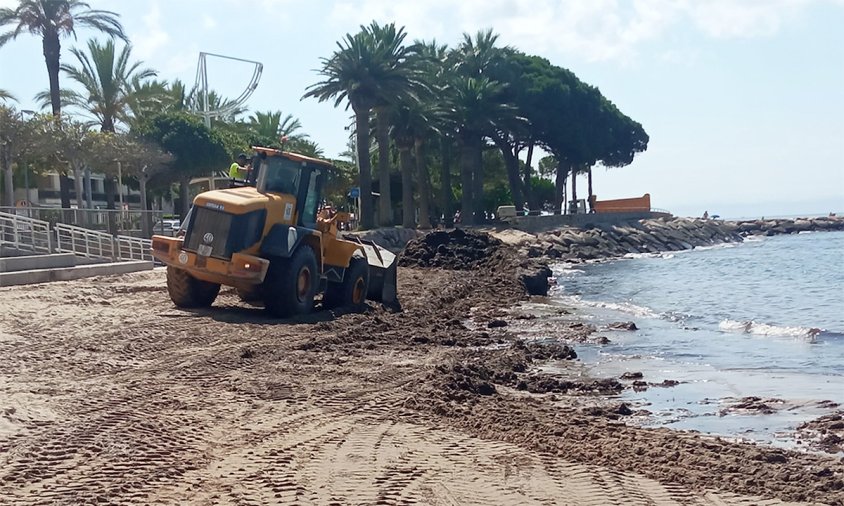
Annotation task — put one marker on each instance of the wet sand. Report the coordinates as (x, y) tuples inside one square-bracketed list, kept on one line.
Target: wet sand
[(108, 393)]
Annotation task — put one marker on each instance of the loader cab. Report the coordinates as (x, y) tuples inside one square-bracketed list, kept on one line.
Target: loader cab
[(291, 174)]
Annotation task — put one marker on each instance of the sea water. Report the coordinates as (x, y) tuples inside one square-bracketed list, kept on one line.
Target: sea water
[(762, 318)]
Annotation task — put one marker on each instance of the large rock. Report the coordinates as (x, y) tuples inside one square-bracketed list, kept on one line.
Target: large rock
[(535, 279)]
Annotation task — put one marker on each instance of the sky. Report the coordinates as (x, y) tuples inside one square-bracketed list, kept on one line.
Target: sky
[(743, 99)]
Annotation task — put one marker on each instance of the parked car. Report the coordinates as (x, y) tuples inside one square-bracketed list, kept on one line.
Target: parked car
[(167, 226)]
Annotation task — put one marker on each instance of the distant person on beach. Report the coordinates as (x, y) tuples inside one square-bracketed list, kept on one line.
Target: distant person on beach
[(706, 215), (238, 169)]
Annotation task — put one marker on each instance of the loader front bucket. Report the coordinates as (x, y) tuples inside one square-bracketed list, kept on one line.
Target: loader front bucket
[(383, 286)]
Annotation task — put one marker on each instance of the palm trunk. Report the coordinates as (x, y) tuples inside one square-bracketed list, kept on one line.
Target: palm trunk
[(52, 50), (385, 207), (110, 191), (8, 181), (8, 192), (574, 189), (408, 209), (424, 188), (146, 224), (64, 194), (478, 180), (445, 180), (184, 196), (560, 189), (80, 195), (467, 208), (589, 173), (89, 194), (367, 218), (511, 162), (529, 197), (8, 187), (565, 190)]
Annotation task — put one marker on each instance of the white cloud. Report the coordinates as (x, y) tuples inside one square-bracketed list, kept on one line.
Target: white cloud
[(595, 30), (181, 63), (747, 18), (153, 37)]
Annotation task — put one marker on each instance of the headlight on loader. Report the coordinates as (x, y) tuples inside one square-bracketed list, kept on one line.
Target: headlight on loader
[(248, 266)]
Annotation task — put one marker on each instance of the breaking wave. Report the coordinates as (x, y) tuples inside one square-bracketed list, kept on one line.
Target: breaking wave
[(623, 307), (764, 329)]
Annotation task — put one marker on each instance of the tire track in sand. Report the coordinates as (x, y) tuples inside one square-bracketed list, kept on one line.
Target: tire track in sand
[(158, 406)]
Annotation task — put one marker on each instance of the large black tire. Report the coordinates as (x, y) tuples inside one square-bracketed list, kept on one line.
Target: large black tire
[(187, 291), (291, 284), (351, 292)]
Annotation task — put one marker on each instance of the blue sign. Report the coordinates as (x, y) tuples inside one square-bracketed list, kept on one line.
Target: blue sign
[(354, 193)]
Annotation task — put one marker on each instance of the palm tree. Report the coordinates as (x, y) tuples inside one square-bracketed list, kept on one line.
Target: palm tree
[(414, 122), (404, 119), (372, 69), (350, 74), (398, 78), (216, 102), (147, 97), (477, 107), (271, 125), (179, 97), (305, 147), (477, 110), (473, 57), (107, 79), (6, 96), (437, 66), (51, 20)]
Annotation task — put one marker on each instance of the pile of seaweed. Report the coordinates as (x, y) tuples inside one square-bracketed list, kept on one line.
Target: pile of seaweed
[(455, 250)]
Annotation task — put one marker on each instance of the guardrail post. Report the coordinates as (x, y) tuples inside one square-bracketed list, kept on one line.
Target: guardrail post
[(15, 235)]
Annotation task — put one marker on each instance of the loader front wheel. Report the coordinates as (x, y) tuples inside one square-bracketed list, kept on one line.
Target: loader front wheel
[(249, 295), (290, 284), (188, 292), (351, 292)]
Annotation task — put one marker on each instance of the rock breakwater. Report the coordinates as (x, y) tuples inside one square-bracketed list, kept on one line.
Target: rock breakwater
[(572, 244)]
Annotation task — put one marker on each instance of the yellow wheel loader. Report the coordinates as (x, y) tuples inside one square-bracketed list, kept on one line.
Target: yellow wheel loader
[(267, 237)]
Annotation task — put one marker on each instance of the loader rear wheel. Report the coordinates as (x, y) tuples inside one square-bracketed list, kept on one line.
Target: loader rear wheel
[(290, 285), (188, 292), (351, 292)]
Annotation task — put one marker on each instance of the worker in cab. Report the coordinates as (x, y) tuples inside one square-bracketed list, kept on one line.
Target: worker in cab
[(239, 169)]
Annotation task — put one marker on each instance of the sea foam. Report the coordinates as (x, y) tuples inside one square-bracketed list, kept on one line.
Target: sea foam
[(765, 329)]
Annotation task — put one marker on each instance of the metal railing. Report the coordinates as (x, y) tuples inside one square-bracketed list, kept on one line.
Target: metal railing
[(22, 233), (101, 245), (84, 242), (115, 221), (133, 248)]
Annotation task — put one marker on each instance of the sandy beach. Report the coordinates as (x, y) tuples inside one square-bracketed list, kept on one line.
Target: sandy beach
[(108, 393)]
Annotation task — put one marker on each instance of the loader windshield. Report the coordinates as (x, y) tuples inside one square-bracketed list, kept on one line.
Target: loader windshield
[(279, 175)]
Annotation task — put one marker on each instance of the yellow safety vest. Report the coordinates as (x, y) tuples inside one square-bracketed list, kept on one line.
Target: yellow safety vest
[(236, 172)]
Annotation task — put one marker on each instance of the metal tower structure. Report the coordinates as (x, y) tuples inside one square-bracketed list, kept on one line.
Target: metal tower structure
[(202, 86)]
